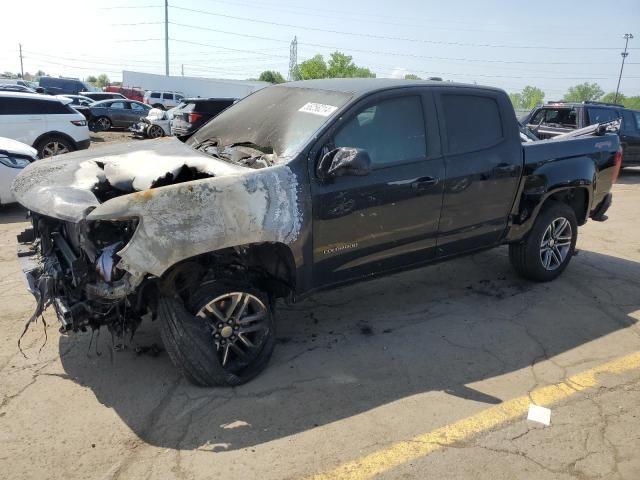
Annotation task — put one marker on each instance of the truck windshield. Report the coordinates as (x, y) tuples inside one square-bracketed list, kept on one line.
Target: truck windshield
[(276, 120)]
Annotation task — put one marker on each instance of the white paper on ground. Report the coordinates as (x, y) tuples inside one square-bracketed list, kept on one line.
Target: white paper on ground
[(539, 414)]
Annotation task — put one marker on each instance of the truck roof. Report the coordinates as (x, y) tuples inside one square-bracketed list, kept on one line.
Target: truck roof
[(363, 86)]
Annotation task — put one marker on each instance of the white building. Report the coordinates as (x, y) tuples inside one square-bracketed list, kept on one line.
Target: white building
[(192, 86)]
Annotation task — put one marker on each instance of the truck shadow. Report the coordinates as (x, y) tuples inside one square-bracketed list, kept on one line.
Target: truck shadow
[(345, 352)]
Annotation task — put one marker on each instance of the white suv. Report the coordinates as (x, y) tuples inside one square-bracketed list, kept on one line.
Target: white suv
[(162, 100), (47, 123)]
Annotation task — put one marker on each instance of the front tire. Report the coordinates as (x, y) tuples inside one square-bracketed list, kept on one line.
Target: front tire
[(547, 250), (155, 131), (224, 336)]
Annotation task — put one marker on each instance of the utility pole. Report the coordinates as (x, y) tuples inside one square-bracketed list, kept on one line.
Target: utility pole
[(182, 69), (625, 54), (293, 57), (21, 67), (166, 37)]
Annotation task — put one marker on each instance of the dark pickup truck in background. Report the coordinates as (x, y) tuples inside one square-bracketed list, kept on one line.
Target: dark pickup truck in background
[(556, 118), (298, 187)]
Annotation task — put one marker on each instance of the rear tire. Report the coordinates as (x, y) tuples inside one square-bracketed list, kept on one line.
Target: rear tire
[(102, 124), (53, 145), (547, 249), (195, 339)]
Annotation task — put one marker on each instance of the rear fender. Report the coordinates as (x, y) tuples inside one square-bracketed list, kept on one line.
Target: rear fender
[(562, 179)]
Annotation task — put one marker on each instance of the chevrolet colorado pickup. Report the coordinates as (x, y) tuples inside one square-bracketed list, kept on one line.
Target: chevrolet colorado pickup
[(298, 187)]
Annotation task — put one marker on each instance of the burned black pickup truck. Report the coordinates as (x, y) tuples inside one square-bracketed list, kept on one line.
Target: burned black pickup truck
[(298, 187)]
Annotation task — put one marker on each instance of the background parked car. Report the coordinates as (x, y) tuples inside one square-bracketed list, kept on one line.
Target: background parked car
[(80, 103), (162, 100), (57, 86), (556, 118), (131, 93), (117, 113), (45, 122), (14, 87), (156, 124), (192, 113), (97, 96), (19, 81), (14, 156)]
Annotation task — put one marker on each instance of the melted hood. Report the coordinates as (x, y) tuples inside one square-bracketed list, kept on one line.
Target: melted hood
[(69, 186)]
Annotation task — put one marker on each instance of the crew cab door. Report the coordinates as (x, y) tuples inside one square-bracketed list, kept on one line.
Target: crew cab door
[(630, 137), (483, 161), (363, 225)]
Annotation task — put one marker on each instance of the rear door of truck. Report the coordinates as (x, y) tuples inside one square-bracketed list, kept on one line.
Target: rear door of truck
[(483, 162)]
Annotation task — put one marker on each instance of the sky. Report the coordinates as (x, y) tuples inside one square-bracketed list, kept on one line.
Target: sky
[(508, 44)]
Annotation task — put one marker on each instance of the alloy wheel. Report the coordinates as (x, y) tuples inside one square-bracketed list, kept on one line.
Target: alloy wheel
[(54, 148), (240, 326), (556, 243)]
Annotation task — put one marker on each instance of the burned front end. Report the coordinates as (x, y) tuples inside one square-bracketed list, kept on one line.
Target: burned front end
[(73, 267)]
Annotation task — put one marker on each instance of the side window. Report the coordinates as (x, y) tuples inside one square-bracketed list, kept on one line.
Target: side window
[(391, 131), (472, 122), (630, 122), (137, 107), (155, 95), (17, 106), (53, 108), (167, 96), (118, 105), (601, 115)]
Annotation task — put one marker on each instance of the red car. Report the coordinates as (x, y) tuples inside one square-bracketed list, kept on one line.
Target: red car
[(131, 93)]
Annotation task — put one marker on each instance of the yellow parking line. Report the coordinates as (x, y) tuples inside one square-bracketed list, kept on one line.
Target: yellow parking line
[(424, 444)]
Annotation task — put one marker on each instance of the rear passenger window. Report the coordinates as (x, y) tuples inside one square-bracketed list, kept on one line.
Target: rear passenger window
[(601, 115), (630, 122), (28, 106), (391, 131), (167, 96), (155, 95), (472, 122)]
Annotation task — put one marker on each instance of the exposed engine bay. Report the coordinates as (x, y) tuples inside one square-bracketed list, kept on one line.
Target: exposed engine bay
[(110, 233)]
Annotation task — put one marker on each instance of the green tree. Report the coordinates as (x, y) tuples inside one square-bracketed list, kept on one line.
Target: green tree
[(342, 66), (40, 73), (411, 76), (528, 98), (102, 80), (611, 98), (271, 76), (531, 96), (91, 79), (584, 92), (315, 67), (632, 102), (516, 100)]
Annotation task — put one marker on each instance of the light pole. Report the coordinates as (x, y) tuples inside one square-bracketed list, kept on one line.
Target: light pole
[(625, 54)]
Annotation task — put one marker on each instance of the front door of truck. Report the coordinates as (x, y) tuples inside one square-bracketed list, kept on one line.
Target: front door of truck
[(483, 160), (363, 225)]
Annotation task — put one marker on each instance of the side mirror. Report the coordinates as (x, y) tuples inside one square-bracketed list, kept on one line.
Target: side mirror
[(344, 161)]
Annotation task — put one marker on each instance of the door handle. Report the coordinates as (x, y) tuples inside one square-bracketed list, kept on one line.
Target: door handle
[(423, 182)]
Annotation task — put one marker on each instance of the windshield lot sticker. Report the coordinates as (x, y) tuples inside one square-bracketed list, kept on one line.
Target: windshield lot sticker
[(318, 109)]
